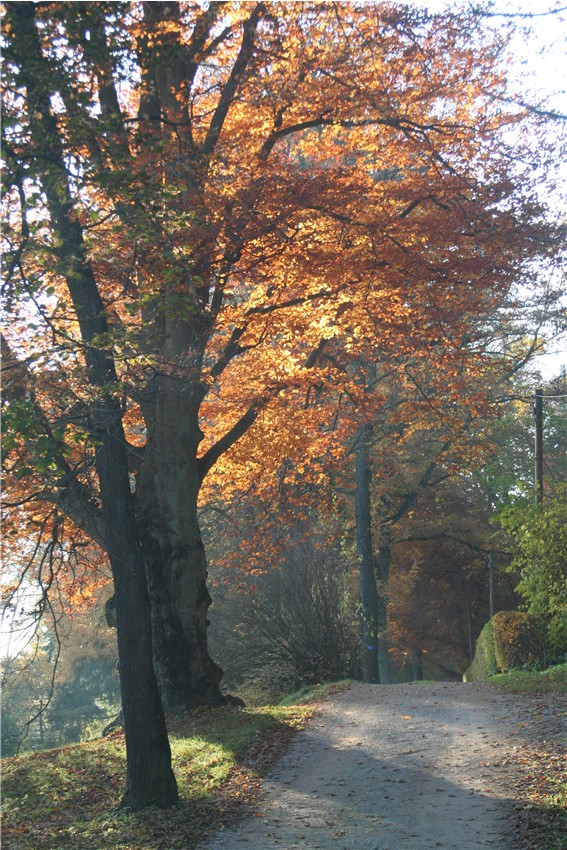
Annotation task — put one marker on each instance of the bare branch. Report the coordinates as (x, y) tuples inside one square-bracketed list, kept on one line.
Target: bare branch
[(523, 15)]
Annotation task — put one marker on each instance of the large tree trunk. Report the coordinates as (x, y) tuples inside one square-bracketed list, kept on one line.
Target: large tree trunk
[(175, 333), (366, 567), (149, 779), (168, 489), (179, 599)]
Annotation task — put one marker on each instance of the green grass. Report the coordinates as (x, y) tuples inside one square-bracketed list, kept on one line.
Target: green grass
[(528, 681), (553, 818), (68, 798), (312, 693)]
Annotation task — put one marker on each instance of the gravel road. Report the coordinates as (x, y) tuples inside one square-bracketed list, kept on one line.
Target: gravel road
[(395, 767)]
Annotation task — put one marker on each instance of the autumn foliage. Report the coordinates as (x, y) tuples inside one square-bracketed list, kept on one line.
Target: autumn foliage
[(345, 186), (218, 218)]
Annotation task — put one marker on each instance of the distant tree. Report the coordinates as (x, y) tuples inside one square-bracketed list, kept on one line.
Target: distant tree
[(539, 534), (26, 691), (510, 469), (63, 686), (439, 587)]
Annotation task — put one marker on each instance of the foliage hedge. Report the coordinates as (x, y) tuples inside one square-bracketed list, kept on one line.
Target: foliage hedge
[(519, 639), (484, 662), (511, 639)]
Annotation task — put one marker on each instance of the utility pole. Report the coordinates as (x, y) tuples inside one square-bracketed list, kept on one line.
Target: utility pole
[(538, 415), (491, 584)]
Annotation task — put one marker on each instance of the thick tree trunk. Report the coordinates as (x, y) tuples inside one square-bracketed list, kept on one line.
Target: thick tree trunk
[(169, 482), (179, 599), (366, 567), (150, 779), (176, 333)]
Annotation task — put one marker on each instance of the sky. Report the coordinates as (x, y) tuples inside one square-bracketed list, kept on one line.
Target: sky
[(544, 54), (542, 66), (546, 57)]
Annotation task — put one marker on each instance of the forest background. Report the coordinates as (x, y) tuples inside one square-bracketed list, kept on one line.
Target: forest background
[(301, 284)]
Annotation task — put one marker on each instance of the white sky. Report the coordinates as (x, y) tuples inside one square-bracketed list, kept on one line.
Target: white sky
[(542, 69), (544, 54)]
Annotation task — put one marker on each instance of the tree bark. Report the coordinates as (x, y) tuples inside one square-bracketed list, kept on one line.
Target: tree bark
[(383, 574), (150, 778), (366, 565), (416, 665), (168, 487)]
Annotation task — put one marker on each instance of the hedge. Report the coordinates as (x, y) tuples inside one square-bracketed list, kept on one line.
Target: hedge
[(511, 639)]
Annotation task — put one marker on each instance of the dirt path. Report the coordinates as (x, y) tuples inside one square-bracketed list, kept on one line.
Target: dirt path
[(398, 767)]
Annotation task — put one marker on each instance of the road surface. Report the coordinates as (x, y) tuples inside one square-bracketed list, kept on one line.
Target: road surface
[(395, 767)]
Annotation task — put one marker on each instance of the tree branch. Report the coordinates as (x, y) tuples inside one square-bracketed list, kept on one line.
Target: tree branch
[(207, 461), (72, 497), (231, 86), (484, 14), (534, 110), (404, 125), (71, 248), (423, 482)]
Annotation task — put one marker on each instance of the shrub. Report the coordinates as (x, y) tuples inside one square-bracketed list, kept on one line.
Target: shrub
[(299, 626), (519, 640), (511, 639), (484, 663)]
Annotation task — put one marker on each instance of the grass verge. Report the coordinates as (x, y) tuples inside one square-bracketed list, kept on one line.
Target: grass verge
[(528, 681), (313, 693), (67, 798)]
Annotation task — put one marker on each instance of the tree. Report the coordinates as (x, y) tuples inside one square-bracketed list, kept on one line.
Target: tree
[(537, 531), (417, 442), (540, 557), (439, 587), (48, 704), (199, 198)]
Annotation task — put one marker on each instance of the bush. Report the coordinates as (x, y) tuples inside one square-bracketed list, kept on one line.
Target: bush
[(519, 640), (511, 639), (299, 627), (539, 533), (484, 663), (530, 681)]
